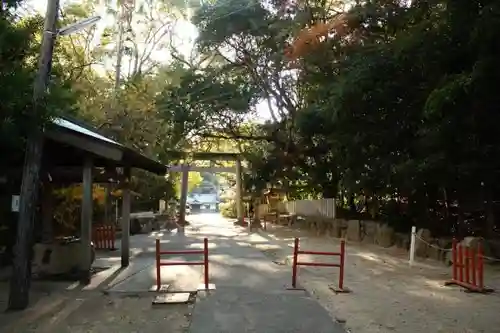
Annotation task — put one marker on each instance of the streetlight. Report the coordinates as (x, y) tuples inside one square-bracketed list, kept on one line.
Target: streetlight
[(21, 272), (78, 26)]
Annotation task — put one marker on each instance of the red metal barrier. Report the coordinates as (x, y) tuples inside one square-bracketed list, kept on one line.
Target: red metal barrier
[(160, 263), (104, 237), (468, 268), (340, 287)]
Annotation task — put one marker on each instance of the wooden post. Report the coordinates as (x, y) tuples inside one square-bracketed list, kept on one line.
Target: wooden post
[(108, 205), (47, 213), (413, 242), (239, 199), (86, 222), (183, 201), (125, 243)]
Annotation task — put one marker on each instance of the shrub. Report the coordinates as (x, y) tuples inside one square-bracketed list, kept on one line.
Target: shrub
[(228, 209)]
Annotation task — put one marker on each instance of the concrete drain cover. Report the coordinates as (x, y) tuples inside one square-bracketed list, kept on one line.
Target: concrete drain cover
[(201, 287), (163, 288), (172, 298)]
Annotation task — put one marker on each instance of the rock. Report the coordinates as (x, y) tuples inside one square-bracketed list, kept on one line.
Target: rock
[(335, 228), (445, 245), (343, 233), (323, 224), (492, 248), (384, 236), (309, 222), (471, 242), (434, 252), (354, 230), (370, 231), (146, 226), (402, 240), (421, 246), (57, 258)]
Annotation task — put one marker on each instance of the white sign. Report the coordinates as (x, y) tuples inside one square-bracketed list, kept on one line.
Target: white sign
[(15, 203), (162, 206)]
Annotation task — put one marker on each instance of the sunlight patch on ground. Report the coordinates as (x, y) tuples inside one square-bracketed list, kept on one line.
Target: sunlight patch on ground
[(441, 296), (255, 238), (377, 271), (370, 257), (102, 261), (261, 265), (137, 251), (37, 311), (167, 271), (201, 246)]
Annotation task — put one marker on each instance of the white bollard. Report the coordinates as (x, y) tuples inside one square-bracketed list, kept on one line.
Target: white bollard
[(412, 244)]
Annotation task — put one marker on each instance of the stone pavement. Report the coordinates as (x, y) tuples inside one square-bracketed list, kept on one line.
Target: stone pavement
[(251, 293)]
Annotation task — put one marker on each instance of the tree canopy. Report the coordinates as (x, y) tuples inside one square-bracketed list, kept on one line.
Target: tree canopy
[(390, 100)]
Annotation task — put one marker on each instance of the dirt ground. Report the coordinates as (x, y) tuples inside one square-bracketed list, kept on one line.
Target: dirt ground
[(387, 295), (91, 311)]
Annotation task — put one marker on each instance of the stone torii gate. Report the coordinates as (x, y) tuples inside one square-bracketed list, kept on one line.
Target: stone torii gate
[(209, 156)]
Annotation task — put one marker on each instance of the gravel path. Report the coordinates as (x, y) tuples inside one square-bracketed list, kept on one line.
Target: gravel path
[(388, 296), (84, 312), (251, 293)]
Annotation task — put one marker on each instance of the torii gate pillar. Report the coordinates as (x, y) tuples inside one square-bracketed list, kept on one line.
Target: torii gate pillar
[(239, 188), (184, 189)]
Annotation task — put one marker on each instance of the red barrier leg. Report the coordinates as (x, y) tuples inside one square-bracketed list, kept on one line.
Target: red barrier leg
[(473, 263), (97, 238), (113, 233), (342, 260), (102, 235), (158, 268), (106, 237), (340, 288), (474, 269), (480, 267), (479, 287), (206, 285), (460, 263), (467, 266), (205, 248), (454, 259), (294, 265)]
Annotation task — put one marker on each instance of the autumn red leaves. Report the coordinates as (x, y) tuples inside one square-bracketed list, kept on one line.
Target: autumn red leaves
[(310, 37)]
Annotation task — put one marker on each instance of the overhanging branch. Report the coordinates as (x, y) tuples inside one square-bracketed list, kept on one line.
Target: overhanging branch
[(237, 137)]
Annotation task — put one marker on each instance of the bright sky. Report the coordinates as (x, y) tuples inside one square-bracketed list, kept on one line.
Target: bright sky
[(185, 33)]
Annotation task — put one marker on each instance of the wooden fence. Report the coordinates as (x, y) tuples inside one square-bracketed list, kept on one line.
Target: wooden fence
[(318, 207)]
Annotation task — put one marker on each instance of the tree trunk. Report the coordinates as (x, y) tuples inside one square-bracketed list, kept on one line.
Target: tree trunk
[(352, 204)]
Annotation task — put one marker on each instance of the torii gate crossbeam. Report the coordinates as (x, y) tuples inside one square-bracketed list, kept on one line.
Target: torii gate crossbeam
[(210, 156), (179, 168)]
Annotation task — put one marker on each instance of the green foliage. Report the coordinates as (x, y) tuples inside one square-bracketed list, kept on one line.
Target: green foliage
[(228, 209), (401, 107), (152, 189), (19, 49)]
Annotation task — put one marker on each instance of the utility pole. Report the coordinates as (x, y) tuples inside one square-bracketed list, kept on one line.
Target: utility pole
[(118, 67), (21, 274), (119, 54)]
